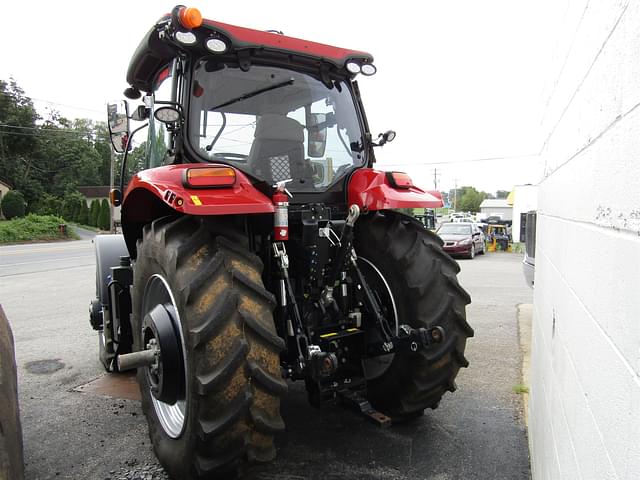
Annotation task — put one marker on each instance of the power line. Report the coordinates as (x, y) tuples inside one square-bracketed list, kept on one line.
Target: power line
[(68, 106), (468, 160)]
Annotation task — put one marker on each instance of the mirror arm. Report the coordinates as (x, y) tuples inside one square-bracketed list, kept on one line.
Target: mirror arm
[(126, 154)]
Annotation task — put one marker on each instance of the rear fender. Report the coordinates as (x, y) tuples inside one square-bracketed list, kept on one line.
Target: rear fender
[(166, 184), (371, 190), (158, 192)]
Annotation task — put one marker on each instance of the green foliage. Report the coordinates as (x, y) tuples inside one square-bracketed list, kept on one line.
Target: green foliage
[(47, 204), (71, 204), (470, 199), (83, 214), (502, 193), (13, 204), (520, 389), (104, 219), (94, 213), (33, 227), (50, 158)]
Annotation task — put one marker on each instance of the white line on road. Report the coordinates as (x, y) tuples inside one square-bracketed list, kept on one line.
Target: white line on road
[(44, 261), (47, 270), (5, 251)]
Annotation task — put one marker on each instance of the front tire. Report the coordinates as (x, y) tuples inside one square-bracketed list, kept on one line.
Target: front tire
[(422, 280), (227, 407)]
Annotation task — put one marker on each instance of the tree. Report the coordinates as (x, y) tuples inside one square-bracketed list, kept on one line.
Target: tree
[(83, 214), (94, 213), (47, 204), (13, 205), (502, 193), (71, 205), (18, 139), (470, 199), (104, 220)]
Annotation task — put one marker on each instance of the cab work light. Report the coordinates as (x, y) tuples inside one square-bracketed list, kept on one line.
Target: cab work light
[(209, 177), (399, 180)]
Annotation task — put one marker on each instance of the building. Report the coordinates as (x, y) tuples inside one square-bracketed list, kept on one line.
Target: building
[(523, 198), (4, 188), (100, 192), (585, 377), (498, 207)]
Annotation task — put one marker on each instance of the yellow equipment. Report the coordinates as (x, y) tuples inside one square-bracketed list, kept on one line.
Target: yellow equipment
[(498, 238)]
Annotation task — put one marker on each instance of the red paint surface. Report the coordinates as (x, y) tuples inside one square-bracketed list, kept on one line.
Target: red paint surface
[(242, 197), (370, 190), (248, 36)]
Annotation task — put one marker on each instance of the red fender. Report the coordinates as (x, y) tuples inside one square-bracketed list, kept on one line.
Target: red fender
[(371, 190), (166, 184)]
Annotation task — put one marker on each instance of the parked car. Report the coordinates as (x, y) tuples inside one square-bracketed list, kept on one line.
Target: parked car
[(462, 239)]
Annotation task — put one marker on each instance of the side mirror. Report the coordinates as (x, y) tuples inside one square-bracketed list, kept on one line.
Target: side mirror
[(118, 121), (317, 130)]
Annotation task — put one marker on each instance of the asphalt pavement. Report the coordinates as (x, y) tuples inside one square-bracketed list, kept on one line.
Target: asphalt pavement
[(477, 432)]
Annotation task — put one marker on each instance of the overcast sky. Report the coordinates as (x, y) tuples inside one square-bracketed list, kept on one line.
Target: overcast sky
[(459, 81)]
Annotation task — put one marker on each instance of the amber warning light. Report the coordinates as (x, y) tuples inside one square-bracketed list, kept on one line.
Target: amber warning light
[(190, 17), (399, 180), (208, 177)]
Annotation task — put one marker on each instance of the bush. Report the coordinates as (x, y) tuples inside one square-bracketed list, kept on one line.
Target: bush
[(83, 214), (13, 205), (94, 213), (104, 220), (33, 227), (71, 206), (47, 204)]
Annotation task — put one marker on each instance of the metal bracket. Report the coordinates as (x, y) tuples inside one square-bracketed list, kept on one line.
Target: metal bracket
[(354, 399)]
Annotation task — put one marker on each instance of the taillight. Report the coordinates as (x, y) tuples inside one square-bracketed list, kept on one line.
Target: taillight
[(209, 177), (399, 180)]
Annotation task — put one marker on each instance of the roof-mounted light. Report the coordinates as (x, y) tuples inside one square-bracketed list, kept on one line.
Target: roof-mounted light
[(368, 69), (353, 67), (186, 38), (216, 45), (190, 17)]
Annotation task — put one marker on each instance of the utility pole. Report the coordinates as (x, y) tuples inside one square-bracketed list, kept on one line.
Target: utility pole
[(455, 195), (435, 178)]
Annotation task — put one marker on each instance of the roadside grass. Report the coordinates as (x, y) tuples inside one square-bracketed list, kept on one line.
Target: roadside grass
[(520, 389), (34, 228)]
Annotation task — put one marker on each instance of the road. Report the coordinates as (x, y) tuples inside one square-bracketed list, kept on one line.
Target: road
[(477, 433)]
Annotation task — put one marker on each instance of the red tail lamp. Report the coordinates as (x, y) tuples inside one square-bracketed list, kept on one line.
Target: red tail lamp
[(210, 177), (190, 17), (399, 180)]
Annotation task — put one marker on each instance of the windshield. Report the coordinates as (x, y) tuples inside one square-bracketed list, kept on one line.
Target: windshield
[(455, 229), (275, 124)]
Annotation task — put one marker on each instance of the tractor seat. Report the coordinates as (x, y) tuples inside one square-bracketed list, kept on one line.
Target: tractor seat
[(277, 152)]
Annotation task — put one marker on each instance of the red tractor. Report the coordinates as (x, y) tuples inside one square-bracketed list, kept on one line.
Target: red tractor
[(259, 246)]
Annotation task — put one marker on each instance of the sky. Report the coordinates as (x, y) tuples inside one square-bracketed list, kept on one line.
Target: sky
[(461, 82)]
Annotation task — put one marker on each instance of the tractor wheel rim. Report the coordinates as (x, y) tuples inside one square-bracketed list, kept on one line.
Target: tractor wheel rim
[(171, 416), (377, 366)]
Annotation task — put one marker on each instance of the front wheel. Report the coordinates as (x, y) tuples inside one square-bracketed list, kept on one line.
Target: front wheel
[(212, 397), (420, 279)]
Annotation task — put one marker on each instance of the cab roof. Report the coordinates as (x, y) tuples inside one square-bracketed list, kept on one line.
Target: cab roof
[(156, 50)]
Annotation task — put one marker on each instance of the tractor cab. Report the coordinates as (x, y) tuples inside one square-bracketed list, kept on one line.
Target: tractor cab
[(274, 107)]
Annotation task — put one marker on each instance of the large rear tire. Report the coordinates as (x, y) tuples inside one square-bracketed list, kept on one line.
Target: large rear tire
[(11, 459), (228, 408), (422, 279)]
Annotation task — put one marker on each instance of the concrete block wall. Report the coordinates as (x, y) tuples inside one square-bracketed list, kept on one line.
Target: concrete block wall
[(585, 379)]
